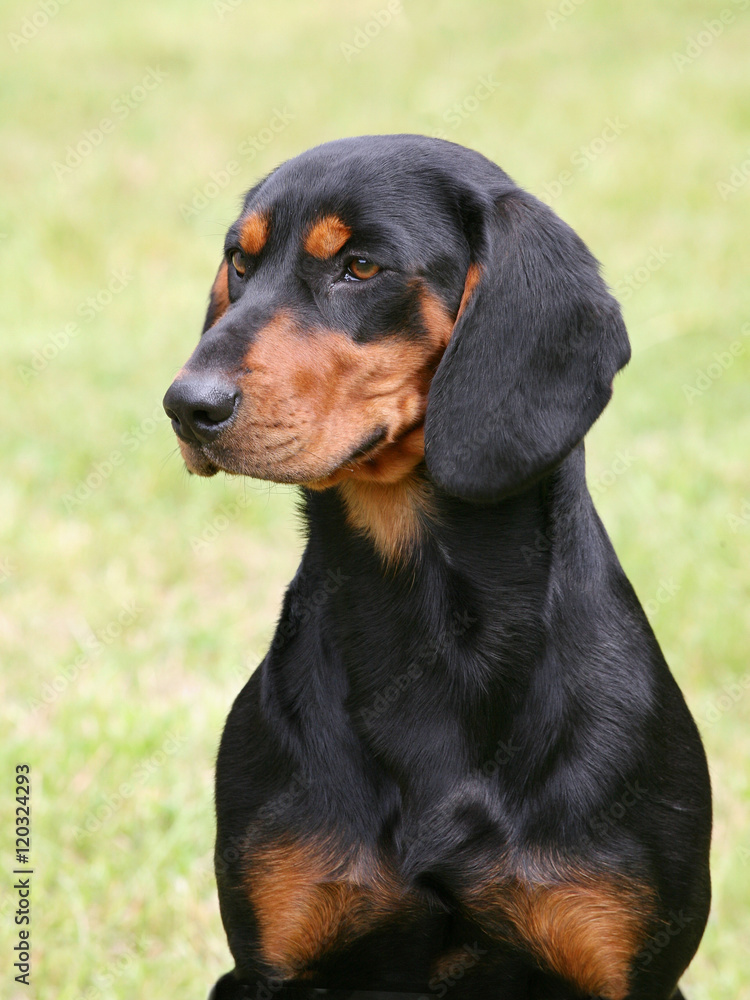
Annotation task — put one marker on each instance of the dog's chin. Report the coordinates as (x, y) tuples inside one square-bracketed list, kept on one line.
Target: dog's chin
[(196, 462), (375, 460), (202, 468), (207, 461)]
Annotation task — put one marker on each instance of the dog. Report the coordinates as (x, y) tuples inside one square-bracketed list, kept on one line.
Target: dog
[(464, 767)]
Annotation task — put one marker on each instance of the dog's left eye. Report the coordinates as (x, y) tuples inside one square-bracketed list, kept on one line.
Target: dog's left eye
[(360, 269), (239, 262)]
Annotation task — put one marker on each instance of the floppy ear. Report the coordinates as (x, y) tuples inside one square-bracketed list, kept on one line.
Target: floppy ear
[(530, 363)]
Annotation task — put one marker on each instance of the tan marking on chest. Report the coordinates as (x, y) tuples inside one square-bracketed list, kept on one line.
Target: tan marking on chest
[(586, 928), (391, 514), (308, 899)]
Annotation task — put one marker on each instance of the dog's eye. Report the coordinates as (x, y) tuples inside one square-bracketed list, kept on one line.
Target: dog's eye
[(239, 262), (360, 269)]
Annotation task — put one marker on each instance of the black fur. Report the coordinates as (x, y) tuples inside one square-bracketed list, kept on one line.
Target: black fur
[(501, 690)]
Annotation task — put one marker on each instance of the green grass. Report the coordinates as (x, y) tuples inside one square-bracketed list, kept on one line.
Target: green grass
[(124, 903)]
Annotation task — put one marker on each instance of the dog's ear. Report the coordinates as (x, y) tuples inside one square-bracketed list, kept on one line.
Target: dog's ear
[(529, 366)]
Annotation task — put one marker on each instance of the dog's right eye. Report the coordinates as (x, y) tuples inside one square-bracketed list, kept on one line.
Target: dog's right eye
[(361, 269), (239, 262)]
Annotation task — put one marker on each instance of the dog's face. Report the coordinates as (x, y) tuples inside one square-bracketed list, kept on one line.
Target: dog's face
[(333, 306), (369, 276)]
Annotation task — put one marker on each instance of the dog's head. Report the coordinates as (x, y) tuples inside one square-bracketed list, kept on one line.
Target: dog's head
[(389, 301)]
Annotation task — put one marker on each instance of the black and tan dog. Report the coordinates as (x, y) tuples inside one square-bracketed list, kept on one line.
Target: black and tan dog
[(463, 767)]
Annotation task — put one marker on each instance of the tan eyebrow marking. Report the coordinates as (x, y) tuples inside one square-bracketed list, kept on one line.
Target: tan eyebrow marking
[(254, 232), (326, 237), (220, 294)]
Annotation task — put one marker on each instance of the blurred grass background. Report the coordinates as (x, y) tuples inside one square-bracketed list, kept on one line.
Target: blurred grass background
[(136, 599)]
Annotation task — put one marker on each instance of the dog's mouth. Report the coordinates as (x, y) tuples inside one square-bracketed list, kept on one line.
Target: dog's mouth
[(209, 459), (377, 437)]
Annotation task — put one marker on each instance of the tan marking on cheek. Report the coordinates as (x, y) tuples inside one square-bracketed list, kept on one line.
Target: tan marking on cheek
[(437, 320), (312, 397), (254, 232), (308, 899), (220, 294), (473, 276), (326, 237), (411, 364), (588, 930), (333, 391), (384, 498)]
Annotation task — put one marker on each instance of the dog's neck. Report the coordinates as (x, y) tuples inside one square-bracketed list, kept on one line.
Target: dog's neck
[(395, 517), (479, 572), (469, 625), (405, 519)]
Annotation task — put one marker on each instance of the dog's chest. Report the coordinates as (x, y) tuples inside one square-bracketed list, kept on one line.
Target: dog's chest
[(313, 898)]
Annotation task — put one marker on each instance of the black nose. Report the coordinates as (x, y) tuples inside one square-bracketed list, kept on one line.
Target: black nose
[(201, 408)]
